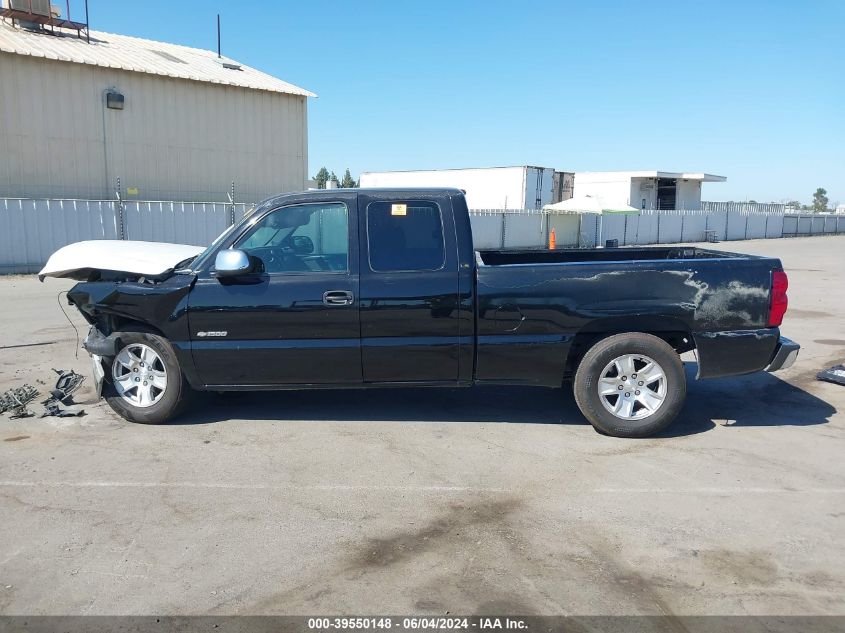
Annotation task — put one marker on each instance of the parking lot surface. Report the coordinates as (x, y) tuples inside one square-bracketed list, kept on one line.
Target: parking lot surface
[(430, 501)]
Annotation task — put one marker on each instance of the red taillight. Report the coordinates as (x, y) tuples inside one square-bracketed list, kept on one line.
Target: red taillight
[(777, 308)]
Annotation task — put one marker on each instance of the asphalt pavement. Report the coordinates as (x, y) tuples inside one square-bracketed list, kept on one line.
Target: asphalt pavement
[(489, 500)]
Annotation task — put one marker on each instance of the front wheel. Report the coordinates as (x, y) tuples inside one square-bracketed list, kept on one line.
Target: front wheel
[(144, 382), (630, 385)]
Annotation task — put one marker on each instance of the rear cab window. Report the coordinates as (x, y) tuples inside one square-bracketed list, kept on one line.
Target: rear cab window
[(405, 236)]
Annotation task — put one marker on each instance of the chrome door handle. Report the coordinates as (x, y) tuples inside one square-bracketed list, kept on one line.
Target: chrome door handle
[(338, 298)]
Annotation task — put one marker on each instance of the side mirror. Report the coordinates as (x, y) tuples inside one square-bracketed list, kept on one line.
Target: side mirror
[(230, 262)]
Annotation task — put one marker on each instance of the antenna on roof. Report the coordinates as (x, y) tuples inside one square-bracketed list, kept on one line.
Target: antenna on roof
[(218, 36)]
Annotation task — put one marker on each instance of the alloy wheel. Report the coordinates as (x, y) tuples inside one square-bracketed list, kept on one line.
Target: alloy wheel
[(632, 386), (139, 375)]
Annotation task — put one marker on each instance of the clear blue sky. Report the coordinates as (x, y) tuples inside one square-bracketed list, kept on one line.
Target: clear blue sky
[(754, 91)]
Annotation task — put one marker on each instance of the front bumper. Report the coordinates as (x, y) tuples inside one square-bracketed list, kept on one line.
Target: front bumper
[(96, 343), (785, 354), (99, 374), (99, 346)]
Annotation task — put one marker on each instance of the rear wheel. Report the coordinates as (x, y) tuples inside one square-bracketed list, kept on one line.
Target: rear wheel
[(630, 385), (144, 380)]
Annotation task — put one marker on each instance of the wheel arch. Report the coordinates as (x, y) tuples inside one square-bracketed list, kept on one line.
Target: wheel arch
[(110, 324), (671, 329)]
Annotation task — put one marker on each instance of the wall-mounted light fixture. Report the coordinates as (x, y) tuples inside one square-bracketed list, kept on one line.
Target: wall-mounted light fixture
[(114, 100)]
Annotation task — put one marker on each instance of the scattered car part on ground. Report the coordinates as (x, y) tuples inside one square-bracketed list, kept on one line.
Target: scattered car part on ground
[(15, 400), (66, 384), (835, 374), (53, 408)]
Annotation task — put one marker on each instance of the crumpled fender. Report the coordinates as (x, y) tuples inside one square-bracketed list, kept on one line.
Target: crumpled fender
[(162, 306)]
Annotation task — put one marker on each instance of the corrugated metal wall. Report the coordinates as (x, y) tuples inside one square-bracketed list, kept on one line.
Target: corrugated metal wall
[(174, 140)]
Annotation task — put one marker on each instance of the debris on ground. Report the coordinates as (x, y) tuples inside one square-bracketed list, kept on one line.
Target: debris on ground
[(16, 399), (52, 407), (67, 383), (835, 374)]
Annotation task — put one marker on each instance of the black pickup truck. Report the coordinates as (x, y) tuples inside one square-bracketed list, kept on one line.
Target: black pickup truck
[(382, 288)]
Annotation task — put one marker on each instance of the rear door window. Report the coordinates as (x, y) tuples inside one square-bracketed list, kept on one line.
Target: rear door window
[(405, 236)]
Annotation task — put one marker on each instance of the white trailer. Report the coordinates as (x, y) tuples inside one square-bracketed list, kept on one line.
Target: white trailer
[(523, 187)]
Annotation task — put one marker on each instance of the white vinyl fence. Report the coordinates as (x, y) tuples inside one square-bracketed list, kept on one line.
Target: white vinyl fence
[(530, 229), (30, 230), (667, 227)]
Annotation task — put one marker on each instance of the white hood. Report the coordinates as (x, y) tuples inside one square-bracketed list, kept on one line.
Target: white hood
[(148, 259)]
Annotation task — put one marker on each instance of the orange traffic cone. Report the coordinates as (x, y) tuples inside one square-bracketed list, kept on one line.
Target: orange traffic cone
[(552, 240)]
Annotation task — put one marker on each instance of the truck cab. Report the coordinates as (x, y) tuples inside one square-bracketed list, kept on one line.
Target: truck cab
[(338, 289)]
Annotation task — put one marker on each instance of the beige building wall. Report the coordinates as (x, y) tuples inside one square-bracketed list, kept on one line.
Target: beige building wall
[(175, 139)]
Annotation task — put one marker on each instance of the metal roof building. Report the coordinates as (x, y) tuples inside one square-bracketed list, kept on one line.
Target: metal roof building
[(171, 122)]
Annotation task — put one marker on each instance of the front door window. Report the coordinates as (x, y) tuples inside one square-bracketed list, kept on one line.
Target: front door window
[(303, 238)]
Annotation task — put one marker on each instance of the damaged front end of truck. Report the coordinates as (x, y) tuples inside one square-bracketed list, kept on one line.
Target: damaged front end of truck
[(126, 287)]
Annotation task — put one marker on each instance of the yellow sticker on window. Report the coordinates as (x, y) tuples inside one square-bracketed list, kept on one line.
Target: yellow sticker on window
[(398, 209), (132, 191)]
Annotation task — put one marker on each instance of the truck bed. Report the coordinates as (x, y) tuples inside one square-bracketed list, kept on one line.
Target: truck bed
[(576, 255), (533, 304)]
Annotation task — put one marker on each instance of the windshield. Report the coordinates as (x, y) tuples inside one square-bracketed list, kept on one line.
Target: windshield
[(201, 259)]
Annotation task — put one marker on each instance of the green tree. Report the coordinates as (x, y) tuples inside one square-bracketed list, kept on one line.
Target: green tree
[(334, 179), (321, 178), (347, 182), (794, 204), (820, 200)]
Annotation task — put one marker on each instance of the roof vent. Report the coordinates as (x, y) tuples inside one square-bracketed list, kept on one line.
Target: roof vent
[(168, 56), (231, 66)]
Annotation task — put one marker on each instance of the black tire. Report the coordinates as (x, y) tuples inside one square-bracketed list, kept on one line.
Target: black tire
[(175, 395), (598, 357)]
